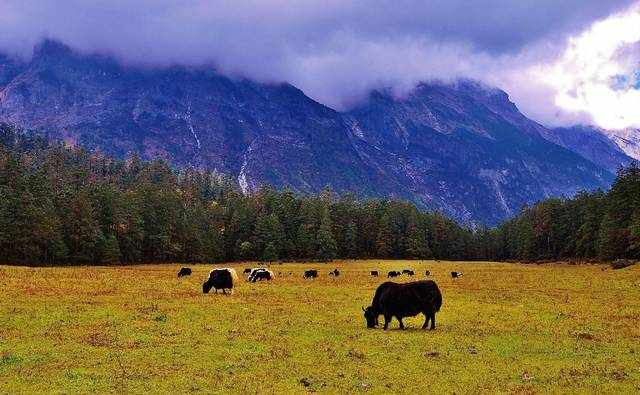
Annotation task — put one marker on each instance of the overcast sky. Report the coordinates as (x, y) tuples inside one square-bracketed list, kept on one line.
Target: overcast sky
[(561, 61)]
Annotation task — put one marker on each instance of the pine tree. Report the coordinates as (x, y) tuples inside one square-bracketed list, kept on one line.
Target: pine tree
[(108, 250), (351, 241), (326, 247)]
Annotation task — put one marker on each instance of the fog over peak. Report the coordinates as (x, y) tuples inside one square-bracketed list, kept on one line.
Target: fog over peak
[(334, 50)]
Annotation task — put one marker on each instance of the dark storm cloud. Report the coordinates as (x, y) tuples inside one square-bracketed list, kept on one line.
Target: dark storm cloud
[(335, 50)]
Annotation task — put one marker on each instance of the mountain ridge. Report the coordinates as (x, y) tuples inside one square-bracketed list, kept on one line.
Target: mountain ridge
[(462, 148)]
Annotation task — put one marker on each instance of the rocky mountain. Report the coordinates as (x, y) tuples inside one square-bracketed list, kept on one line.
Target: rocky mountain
[(628, 140), (593, 144), (462, 148)]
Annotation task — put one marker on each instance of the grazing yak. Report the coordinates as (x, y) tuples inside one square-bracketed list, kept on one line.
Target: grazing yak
[(260, 274), (310, 274), (427, 273), (334, 272), (393, 273), (224, 278), (404, 300), (408, 272), (374, 273), (456, 274), (185, 271)]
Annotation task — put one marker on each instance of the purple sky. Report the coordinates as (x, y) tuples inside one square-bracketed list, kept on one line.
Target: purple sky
[(335, 50)]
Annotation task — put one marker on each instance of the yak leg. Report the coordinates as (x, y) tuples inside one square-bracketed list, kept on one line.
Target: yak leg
[(427, 317), (387, 320), (224, 291), (400, 321), (433, 320)]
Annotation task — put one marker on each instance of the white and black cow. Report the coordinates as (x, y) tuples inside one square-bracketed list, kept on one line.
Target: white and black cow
[(456, 274), (310, 274), (223, 278), (259, 274)]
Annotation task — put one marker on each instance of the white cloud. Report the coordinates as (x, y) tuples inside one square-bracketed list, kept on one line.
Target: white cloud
[(598, 72)]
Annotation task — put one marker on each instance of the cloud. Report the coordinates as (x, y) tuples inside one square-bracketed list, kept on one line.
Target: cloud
[(598, 73), (335, 50)]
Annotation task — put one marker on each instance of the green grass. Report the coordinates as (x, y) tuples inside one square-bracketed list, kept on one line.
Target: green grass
[(502, 328)]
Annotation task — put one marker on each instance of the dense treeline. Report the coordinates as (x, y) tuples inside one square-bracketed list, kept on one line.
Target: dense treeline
[(590, 226), (62, 205)]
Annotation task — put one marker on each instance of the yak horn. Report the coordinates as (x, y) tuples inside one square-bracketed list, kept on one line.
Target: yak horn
[(363, 309)]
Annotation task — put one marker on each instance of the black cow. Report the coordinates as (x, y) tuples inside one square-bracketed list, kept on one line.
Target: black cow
[(185, 271), (404, 300), (393, 273), (260, 275), (334, 272), (374, 273), (220, 279), (408, 272), (427, 273), (246, 270), (310, 274), (456, 274)]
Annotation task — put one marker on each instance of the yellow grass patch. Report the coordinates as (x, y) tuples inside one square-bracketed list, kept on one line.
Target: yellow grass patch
[(503, 327)]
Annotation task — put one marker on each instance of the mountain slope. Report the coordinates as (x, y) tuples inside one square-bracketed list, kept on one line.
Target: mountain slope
[(466, 148), (591, 143), (628, 140), (463, 149)]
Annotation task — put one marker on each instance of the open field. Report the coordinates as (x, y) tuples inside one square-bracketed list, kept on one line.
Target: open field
[(503, 327)]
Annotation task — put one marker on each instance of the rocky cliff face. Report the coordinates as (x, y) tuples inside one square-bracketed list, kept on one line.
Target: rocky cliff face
[(463, 149)]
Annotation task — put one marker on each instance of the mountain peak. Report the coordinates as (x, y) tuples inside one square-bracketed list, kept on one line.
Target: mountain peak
[(51, 48)]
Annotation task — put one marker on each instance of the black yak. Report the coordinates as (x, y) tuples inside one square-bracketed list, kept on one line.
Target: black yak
[(223, 279), (408, 272), (334, 272), (456, 274), (404, 300), (310, 274), (247, 270), (185, 271), (393, 273), (374, 273), (427, 273)]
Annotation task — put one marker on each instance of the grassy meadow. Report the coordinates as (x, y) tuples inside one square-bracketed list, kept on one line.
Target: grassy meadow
[(502, 328)]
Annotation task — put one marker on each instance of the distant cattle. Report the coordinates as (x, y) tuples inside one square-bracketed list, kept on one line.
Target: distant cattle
[(427, 273), (334, 272), (456, 274), (374, 273), (621, 264), (185, 271), (408, 272), (260, 274), (253, 270), (310, 274), (246, 270), (393, 273), (223, 279), (404, 300)]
